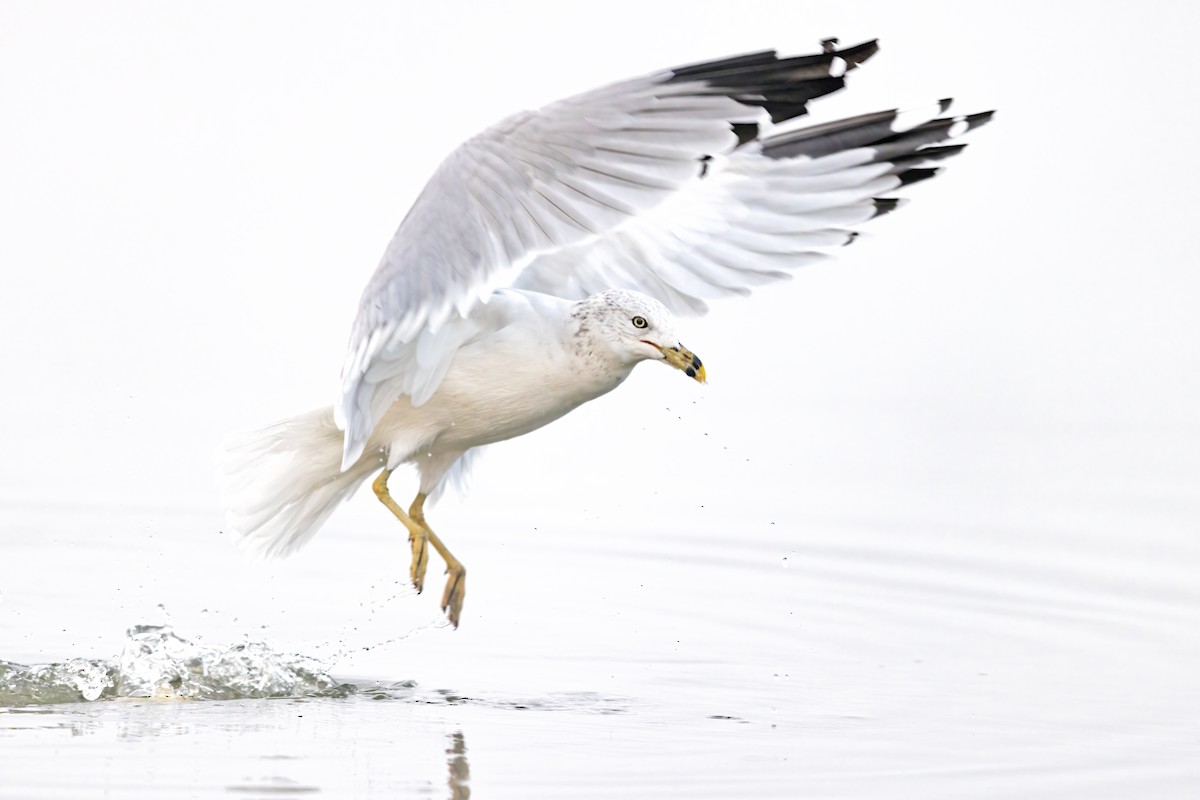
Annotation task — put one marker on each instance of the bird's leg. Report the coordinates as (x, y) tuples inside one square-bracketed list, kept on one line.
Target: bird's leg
[(420, 551), (456, 584), (417, 534)]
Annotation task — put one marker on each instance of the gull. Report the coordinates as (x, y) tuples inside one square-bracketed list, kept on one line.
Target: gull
[(550, 254)]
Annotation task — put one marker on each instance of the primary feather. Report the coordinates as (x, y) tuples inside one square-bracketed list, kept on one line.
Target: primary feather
[(689, 183), (678, 184)]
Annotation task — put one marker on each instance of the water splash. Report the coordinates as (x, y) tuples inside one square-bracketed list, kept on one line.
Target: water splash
[(158, 663), (70, 682)]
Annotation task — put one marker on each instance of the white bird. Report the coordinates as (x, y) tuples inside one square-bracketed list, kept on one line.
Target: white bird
[(546, 258)]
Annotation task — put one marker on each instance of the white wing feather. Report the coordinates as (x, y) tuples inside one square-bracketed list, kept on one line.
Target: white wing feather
[(671, 185), (532, 184)]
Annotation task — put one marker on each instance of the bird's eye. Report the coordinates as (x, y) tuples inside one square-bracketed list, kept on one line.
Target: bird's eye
[(640, 322)]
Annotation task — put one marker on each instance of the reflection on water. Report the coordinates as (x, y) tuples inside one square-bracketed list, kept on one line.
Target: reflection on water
[(273, 786), (460, 770), (886, 659)]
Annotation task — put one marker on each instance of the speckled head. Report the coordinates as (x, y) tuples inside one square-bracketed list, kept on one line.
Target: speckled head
[(630, 327)]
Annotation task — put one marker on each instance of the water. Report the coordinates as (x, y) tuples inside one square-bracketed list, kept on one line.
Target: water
[(836, 657), (931, 531), (157, 663)]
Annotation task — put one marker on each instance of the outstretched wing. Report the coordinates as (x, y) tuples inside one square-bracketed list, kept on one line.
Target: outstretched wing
[(680, 185), (774, 204), (538, 182)]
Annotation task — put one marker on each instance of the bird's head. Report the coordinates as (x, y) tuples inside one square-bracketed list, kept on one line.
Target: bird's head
[(636, 328)]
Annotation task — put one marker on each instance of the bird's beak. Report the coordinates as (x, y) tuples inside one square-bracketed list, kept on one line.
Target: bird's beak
[(680, 357)]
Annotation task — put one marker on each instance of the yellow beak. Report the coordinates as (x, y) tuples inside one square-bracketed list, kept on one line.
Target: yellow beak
[(682, 358)]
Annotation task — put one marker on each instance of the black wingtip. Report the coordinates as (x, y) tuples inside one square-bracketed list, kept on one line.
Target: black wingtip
[(980, 119), (782, 108), (782, 86), (927, 154), (942, 151), (745, 131), (859, 53), (944, 104), (911, 176), (701, 68), (885, 205)]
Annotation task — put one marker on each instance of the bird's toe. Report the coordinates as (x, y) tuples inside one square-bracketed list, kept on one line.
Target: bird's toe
[(420, 561), (452, 597)]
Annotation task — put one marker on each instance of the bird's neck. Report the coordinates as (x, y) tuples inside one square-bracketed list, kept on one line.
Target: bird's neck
[(594, 362)]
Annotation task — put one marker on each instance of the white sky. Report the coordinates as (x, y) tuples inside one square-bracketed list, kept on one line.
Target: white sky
[(194, 195)]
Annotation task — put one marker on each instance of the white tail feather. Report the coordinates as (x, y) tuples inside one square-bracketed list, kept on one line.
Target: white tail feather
[(279, 484)]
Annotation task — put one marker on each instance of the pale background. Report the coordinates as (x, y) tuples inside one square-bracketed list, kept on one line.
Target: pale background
[(998, 388), (193, 201)]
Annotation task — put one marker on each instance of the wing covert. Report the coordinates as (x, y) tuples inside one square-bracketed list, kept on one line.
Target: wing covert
[(773, 205), (540, 182)]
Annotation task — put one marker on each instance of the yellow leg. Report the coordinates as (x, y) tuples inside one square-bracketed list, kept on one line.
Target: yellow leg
[(417, 535), (420, 559), (419, 532)]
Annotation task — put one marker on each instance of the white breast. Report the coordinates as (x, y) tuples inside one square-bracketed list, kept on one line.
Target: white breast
[(521, 374)]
